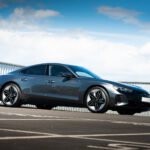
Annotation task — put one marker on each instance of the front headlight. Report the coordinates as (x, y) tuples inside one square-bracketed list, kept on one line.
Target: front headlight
[(123, 89)]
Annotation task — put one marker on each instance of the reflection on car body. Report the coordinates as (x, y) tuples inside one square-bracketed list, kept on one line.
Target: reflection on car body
[(52, 84)]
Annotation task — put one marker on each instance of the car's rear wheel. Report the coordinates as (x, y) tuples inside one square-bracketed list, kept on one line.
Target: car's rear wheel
[(97, 100), (10, 95), (126, 111)]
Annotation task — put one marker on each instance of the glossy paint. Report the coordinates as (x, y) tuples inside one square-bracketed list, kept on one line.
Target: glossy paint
[(70, 91)]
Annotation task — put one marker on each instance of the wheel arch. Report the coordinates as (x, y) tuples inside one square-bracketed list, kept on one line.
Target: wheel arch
[(9, 82), (85, 93)]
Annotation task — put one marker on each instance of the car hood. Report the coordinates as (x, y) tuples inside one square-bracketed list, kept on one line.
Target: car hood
[(125, 85)]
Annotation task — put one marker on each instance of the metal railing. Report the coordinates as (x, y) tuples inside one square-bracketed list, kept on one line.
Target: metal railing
[(8, 67)]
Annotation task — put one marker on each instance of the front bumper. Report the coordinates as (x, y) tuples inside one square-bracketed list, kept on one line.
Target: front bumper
[(132, 100)]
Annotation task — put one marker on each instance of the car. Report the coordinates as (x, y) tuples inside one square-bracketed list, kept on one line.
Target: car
[(53, 84)]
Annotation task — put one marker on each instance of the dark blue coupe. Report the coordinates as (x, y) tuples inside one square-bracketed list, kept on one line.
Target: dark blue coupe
[(50, 85)]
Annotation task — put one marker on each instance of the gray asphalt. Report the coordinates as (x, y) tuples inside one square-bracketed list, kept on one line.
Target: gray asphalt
[(36, 129)]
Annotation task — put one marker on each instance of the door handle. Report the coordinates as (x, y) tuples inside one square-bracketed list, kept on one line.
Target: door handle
[(51, 81), (24, 79)]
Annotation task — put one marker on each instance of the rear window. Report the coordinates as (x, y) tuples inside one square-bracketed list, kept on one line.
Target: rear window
[(36, 70)]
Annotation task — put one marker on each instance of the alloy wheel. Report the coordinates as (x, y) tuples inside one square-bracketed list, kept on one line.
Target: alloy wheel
[(10, 95), (97, 100)]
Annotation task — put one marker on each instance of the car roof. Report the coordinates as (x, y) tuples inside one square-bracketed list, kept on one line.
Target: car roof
[(62, 64), (25, 67)]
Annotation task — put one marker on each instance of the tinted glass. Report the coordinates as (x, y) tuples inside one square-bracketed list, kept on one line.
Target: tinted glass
[(82, 72), (58, 71), (36, 70)]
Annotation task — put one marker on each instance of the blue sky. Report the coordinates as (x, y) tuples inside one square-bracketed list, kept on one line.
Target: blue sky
[(84, 15), (110, 37)]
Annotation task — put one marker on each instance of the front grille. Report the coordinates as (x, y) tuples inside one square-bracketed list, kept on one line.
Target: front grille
[(134, 99)]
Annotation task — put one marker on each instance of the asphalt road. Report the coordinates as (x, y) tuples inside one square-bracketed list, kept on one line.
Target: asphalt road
[(29, 128)]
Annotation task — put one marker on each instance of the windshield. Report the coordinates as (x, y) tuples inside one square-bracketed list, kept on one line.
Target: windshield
[(82, 72)]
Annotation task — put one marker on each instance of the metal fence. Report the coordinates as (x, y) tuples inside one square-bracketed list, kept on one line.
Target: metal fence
[(7, 67)]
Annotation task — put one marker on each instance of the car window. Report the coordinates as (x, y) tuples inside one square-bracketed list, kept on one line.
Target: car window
[(57, 71), (36, 70), (83, 74)]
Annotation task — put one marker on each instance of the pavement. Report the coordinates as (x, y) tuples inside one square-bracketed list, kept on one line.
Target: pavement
[(37, 129)]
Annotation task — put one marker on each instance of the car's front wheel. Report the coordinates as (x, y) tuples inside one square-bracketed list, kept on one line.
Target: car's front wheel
[(10, 95), (97, 100)]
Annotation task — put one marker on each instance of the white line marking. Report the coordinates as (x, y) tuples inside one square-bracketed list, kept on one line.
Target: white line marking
[(80, 135), (36, 119), (29, 115), (114, 146), (147, 145), (124, 146), (29, 132), (100, 147), (28, 137), (121, 134), (41, 135), (138, 144), (59, 118)]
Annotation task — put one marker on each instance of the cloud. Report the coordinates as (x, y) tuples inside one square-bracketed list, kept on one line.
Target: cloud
[(111, 60), (27, 13), (117, 12), (27, 18), (125, 15)]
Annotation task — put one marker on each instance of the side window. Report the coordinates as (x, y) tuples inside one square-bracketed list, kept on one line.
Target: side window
[(57, 70), (36, 70)]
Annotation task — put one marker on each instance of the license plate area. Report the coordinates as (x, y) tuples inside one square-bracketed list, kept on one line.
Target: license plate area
[(146, 99)]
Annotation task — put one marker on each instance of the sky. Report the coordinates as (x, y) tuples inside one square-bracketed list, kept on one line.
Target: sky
[(109, 37)]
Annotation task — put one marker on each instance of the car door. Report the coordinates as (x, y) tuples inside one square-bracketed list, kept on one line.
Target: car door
[(62, 88), (33, 80)]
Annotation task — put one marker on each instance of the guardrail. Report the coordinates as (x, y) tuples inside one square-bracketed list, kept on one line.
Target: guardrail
[(144, 85), (7, 67)]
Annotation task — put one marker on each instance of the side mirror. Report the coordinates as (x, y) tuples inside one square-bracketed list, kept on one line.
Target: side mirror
[(68, 75)]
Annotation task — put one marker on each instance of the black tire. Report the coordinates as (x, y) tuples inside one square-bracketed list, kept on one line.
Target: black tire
[(44, 106), (126, 111), (11, 95), (97, 100)]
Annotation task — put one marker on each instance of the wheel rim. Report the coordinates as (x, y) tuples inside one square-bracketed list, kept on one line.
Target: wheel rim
[(9, 95), (96, 100)]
